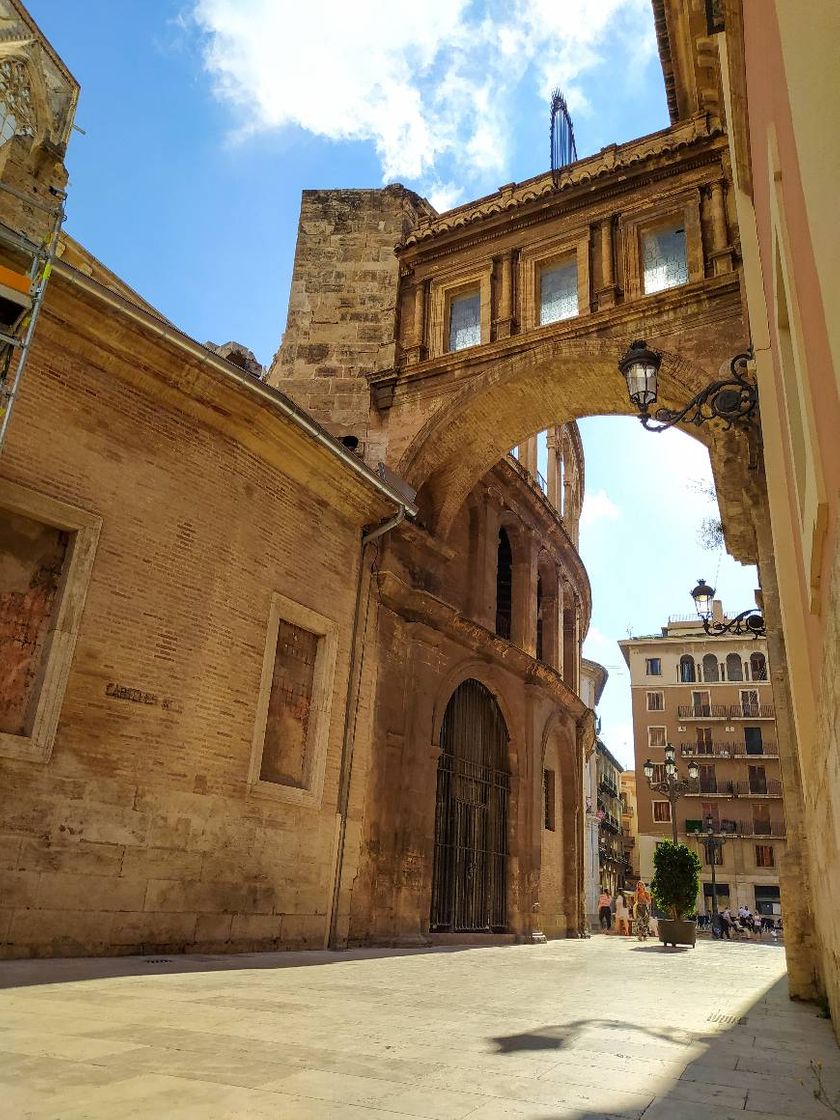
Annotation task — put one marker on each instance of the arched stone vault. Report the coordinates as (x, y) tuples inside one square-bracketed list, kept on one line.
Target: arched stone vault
[(495, 396)]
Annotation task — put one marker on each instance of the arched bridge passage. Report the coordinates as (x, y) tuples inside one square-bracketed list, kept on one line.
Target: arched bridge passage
[(487, 400)]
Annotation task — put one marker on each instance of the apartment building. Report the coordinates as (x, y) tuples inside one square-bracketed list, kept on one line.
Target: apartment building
[(610, 845), (710, 697)]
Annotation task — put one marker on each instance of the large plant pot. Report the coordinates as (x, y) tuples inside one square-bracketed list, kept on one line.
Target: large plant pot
[(677, 933)]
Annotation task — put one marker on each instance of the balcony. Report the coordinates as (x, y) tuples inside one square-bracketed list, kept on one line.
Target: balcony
[(610, 823), (757, 787), (738, 828), (711, 787), (606, 786), (703, 711), (727, 750), (726, 711), (752, 711)]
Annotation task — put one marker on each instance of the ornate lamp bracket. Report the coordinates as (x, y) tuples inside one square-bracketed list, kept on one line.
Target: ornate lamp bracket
[(731, 399)]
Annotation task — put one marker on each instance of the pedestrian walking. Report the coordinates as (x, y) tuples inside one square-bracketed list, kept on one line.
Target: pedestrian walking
[(726, 923), (641, 911), (622, 915), (605, 911)]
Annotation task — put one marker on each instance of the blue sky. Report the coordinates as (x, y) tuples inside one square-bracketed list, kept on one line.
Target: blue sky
[(204, 120)]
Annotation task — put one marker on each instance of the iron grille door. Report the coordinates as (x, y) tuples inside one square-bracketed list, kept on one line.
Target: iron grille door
[(469, 883)]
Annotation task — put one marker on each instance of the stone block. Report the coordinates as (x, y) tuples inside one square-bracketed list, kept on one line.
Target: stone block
[(9, 852), (76, 857), (166, 895), (161, 863), (62, 933), (303, 931), (258, 927), (100, 824), (213, 928), (59, 890), (18, 888), (145, 929)]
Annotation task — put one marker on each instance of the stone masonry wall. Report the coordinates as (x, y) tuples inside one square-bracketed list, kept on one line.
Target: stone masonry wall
[(342, 319), (139, 834)]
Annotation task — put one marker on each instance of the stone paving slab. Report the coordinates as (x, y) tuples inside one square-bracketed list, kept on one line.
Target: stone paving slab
[(605, 1029)]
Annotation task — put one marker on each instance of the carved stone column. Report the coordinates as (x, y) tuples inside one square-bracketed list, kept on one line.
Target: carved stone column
[(530, 458), (607, 293), (418, 349), (503, 325), (553, 467), (524, 612), (721, 250)]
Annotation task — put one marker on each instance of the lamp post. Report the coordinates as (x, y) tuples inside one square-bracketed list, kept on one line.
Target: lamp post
[(747, 622), (730, 399), (673, 786), (714, 844)]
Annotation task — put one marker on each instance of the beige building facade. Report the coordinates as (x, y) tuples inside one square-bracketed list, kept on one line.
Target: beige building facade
[(711, 698)]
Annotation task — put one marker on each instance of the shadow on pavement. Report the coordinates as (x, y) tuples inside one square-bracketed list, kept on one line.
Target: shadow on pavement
[(25, 973), (758, 1062)]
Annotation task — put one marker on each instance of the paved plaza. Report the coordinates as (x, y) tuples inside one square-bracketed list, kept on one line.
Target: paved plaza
[(573, 1029)]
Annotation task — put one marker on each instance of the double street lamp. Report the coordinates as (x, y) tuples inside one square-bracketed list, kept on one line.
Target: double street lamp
[(672, 785)]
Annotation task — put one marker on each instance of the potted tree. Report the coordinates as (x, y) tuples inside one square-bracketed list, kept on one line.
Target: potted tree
[(674, 889)]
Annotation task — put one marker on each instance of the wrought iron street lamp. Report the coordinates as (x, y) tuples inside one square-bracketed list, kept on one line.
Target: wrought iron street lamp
[(673, 786), (747, 622), (713, 844), (730, 399)]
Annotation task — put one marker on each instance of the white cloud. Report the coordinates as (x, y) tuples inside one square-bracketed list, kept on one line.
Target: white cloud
[(426, 84), (598, 507)]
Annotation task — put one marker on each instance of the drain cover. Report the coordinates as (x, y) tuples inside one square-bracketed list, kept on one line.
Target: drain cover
[(727, 1020), (158, 960)]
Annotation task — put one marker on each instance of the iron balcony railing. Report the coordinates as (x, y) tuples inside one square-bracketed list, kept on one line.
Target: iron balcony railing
[(608, 787), (726, 711), (775, 829), (610, 823), (728, 750), (754, 787)]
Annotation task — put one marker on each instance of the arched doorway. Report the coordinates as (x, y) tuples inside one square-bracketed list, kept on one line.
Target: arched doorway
[(473, 787)]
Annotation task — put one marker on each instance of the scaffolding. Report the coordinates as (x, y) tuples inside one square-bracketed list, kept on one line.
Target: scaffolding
[(22, 295)]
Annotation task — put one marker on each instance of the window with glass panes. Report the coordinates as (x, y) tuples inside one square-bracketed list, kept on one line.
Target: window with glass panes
[(656, 701), (656, 737), (664, 260), (662, 812), (558, 292), (465, 321)]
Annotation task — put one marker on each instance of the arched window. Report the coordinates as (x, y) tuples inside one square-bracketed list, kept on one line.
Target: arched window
[(504, 585), (687, 671), (711, 671), (758, 666), (734, 667)]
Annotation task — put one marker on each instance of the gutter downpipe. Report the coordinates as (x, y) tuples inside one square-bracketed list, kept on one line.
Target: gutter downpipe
[(354, 677)]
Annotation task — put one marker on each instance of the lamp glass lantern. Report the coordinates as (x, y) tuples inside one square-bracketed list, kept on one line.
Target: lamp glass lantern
[(703, 596), (710, 824), (670, 754), (693, 770), (640, 368), (648, 769)]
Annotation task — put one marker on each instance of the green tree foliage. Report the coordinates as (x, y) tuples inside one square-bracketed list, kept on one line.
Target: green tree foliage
[(676, 880)]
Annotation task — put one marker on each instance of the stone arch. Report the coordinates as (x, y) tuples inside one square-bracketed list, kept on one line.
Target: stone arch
[(506, 398), (489, 676), (734, 667), (687, 670), (711, 668)]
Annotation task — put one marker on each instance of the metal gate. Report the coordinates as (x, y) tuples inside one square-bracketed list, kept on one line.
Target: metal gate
[(469, 884)]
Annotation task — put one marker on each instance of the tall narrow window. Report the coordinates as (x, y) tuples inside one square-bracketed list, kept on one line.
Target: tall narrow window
[(549, 799), (701, 704), (558, 293), (734, 667), (758, 779), (465, 321), (704, 740), (504, 585), (752, 741), (664, 260), (749, 702), (708, 781), (764, 855)]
